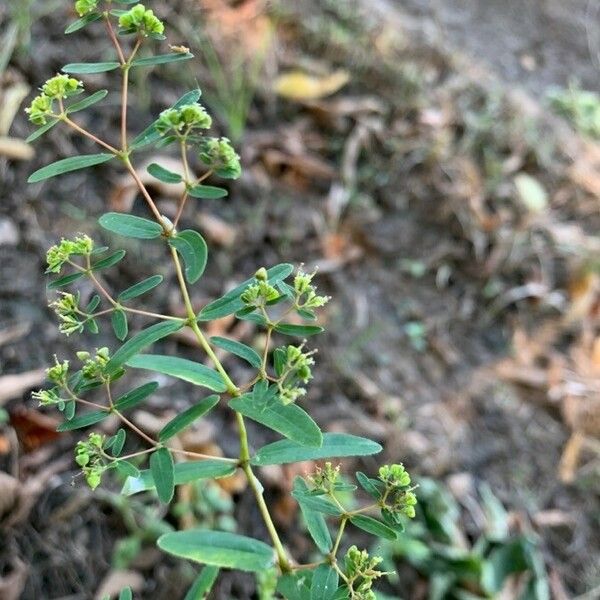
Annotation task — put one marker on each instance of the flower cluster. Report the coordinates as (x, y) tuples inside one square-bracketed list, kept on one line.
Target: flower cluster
[(325, 478), (89, 456), (141, 21), (47, 397), (306, 292), (57, 88), (218, 154), (361, 571), (260, 293), (293, 366), (85, 7), (93, 365), (58, 373), (399, 496), (61, 253), (184, 120), (67, 309)]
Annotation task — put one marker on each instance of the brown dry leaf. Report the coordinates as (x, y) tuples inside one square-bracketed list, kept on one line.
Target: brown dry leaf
[(303, 86), (14, 386), (13, 92), (584, 291), (299, 170), (115, 581), (16, 149), (34, 429)]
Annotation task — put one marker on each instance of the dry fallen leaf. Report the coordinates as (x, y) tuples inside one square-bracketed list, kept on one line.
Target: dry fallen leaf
[(15, 149), (302, 86)]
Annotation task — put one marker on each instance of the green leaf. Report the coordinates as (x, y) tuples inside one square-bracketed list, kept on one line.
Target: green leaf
[(182, 368), (203, 583), (87, 102), (127, 469), (315, 521), (40, 131), (117, 442), (81, 23), (150, 134), (66, 165), (130, 226), (163, 174), (161, 59), (90, 68), (119, 323), (230, 303), (194, 251), (184, 473), (248, 354), (142, 340), (162, 469), (187, 417), (295, 586), (371, 486), (207, 191), (63, 281), (85, 420), (218, 548), (140, 288), (320, 504), (298, 330), (287, 419), (126, 594), (373, 526), (334, 445), (109, 261), (324, 583), (135, 396)]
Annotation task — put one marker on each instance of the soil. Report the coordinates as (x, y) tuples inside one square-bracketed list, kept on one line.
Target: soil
[(429, 225)]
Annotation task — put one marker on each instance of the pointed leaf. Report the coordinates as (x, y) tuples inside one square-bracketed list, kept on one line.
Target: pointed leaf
[(218, 548), (87, 102), (138, 342), (334, 445), (63, 281), (140, 288), (242, 350), (182, 368), (324, 583), (81, 23), (163, 174), (207, 191), (119, 324), (66, 165), (371, 486), (315, 521), (186, 418), (126, 594), (131, 226), (295, 586), (230, 303), (109, 261), (90, 68), (373, 526), (298, 330), (40, 131), (127, 469), (161, 59), (319, 504), (135, 396), (287, 419), (85, 420), (162, 469), (203, 583), (184, 473), (194, 251)]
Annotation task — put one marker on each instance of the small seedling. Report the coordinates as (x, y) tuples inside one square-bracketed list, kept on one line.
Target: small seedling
[(269, 298)]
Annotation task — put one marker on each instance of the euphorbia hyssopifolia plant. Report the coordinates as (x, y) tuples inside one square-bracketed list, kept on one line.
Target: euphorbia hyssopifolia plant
[(268, 299)]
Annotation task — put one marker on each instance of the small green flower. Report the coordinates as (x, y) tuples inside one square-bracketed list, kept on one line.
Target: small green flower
[(400, 499), (93, 366), (325, 478), (84, 7), (66, 308), (361, 571), (142, 21), (61, 86), (59, 372), (183, 120), (46, 397), (294, 367), (219, 155), (258, 294), (60, 253), (306, 292), (88, 455), (40, 109)]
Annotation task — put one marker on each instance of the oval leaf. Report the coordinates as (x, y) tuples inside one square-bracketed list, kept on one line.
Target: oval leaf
[(66, 165), (81, 23), (163, 174), (184, 473), (186, 418), (373, 526), (119, 324), (138, 342), (161, 59), (140, 288), (135, 396), (320, 504), (131, 226), (87, 102), (218, 548), (315, 521), (40, 131), (207, 191), (182, 368), (298, 330), (162, 469), (324, 583), (369, 485), (85, 420), (334, 445), (89, 68), (194, 251), (109, 261), (248, 354), (66, 280)]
